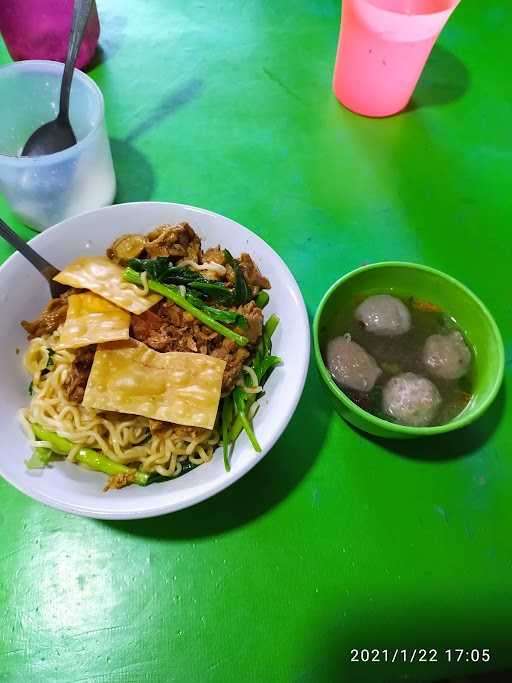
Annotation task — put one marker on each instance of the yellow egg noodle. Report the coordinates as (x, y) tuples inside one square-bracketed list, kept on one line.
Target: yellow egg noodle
[(123, 438), (143, 395)]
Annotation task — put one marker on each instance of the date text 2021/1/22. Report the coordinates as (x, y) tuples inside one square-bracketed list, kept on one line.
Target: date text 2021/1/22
[(426, 655)]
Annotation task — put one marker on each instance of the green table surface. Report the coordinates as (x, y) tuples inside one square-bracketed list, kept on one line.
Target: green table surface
[(335, 541)]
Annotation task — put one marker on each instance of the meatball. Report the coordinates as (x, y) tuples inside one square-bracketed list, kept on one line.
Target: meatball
[(446, 356), (350, 365), (411, 400), (384, 315)]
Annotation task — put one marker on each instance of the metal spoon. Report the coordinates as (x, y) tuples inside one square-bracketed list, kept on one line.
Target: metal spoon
[(46, 269), (58, 134)]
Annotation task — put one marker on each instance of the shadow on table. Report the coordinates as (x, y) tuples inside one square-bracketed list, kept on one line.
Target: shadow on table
[(101, 55), (444, 79), (135, 175), (406, 153), (457, 444), (168, 105), (113, 31), (264, 487)]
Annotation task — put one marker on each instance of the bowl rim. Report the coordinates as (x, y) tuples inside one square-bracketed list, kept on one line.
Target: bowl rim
[(129, 511), (465, 418), (51, 66)]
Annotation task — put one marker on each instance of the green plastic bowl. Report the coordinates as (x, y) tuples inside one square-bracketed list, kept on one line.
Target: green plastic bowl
[(412, 279)]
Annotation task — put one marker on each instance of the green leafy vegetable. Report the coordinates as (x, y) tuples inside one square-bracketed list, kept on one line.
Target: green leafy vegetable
[(241, 293), (92, 459), (95, 460), (156, 268), (268, 362), (240, 402), (39, 458), (262, 299), (227, 418), (227, 317), (262, 364), (268, 330), (214, 290), (161, 269), (171, 293)]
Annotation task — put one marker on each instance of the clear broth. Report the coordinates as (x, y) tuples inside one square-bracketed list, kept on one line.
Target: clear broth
[(396, 355)]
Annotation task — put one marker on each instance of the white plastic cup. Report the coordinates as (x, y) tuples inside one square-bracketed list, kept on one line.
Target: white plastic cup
[(44, 190)]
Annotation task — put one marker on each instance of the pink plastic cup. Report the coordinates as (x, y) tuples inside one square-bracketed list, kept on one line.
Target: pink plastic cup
[(382, 49), (39, 29)]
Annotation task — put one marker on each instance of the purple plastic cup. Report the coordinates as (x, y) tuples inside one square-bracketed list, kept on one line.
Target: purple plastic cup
[(39, 29)]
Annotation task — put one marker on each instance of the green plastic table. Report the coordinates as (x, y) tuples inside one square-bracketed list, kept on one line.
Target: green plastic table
[(335, 541)]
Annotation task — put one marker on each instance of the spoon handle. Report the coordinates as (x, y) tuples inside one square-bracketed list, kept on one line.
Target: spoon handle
[(81, 11), (46, 269)]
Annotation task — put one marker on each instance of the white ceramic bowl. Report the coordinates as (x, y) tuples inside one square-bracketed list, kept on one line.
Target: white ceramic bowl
[(22, 295)]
